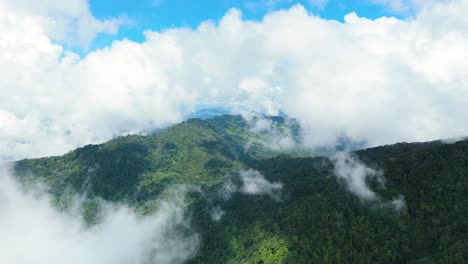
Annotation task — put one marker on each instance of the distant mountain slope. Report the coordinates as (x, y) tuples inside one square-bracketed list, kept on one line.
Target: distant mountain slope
[(301, 215), (206, 113)]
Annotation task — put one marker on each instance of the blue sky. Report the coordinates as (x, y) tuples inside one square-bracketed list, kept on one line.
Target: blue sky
[(162, 14)]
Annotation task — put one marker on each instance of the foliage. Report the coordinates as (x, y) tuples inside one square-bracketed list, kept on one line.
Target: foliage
[(316, 221)]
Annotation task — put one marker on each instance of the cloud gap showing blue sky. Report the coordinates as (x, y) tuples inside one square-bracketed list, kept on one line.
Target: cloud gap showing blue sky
[(380, 80), (158, 15)]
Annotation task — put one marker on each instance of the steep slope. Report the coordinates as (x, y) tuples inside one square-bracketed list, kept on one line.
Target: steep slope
[(312, 218), (136, 167)]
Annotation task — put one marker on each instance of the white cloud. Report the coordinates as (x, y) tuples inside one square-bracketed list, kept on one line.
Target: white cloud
[(261, 125), (354, 174), (261, 5), (383, 80), (408, 6), (228, 189), (274, 136), (398, 203), (395, 5), (216, 213), (254, 183), (33, 231), (318, 4), (69, 21)]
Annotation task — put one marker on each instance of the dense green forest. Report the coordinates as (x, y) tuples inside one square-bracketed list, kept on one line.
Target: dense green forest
[(314, 218)]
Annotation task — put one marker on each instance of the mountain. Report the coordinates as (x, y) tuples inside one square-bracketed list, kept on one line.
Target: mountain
[(258, 199), (212, 112), (207, 113), (320, 222), (195, 151)]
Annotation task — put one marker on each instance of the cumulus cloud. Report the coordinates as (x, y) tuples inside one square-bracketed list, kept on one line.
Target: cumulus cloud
[(355, 175), (34, 231), (380, 81), (70, 22)]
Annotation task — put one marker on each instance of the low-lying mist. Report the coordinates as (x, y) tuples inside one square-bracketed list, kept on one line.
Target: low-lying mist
[(252, 183), (354, 174), (34, 231)]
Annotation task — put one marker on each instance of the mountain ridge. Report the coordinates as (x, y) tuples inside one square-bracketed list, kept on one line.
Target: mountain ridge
[(304, 214)]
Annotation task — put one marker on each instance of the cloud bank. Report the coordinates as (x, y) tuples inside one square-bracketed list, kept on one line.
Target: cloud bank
[(33, 231), (382, 80)]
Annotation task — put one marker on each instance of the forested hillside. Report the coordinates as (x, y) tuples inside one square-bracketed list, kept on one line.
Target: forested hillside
[(194, 152), (303, 215), (319, 221)]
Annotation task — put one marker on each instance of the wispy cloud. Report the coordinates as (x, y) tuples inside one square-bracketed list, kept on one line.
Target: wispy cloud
[(355, 175), (274, 136), (252, 182), (318, 4), (262, 5), (408, 6)]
